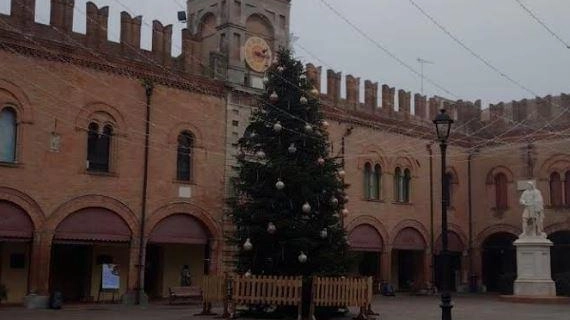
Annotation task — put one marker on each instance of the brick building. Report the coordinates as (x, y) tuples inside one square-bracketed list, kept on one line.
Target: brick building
[(114, 154)]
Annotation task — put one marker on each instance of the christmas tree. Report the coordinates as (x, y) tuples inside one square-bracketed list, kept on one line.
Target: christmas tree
[(290, 195)]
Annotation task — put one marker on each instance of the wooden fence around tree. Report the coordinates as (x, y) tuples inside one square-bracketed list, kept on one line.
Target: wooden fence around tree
[(342, 292), (214, 290), (285, 291), (270, 290)]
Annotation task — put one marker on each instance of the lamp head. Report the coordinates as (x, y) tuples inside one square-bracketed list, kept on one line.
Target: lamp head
[(443, 124)]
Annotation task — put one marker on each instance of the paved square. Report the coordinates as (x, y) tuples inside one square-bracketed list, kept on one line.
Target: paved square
[(398, 308)]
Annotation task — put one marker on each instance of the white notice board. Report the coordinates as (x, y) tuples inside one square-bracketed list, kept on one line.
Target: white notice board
[(110, 277)]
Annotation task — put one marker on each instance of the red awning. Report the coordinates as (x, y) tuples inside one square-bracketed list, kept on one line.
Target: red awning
[(454, 243), (365, 238), (93, 224), (409, 239), (179, 228), (15, 222)]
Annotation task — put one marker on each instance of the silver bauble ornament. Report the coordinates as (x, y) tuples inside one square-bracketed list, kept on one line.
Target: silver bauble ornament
[(274, 97), (334, 201), (346, 198), (324, 233), (277, 127), (341, 173), (292, 149), (308, 128), (321, 161), (271, 228), (279, 185), (345, 212), (260, 154), (302, 257), (325, 124), (303, 100), (314, 92), (247, 246), (247, 274), (281, 68), (303, 77), (306, 208)]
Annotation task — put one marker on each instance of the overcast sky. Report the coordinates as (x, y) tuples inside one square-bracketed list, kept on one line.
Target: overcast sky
[(500, 31)]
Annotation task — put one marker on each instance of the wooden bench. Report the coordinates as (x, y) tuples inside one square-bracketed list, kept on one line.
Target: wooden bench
[(192, 292)]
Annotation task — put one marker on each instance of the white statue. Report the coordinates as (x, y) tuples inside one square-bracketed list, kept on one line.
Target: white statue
[(533, 214)]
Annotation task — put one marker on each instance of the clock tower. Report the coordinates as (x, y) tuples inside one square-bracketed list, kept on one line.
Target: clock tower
[(244, 33)]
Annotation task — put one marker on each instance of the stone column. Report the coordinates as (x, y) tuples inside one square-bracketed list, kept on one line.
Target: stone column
[(476, 271), (40, 259), (130, 297), (215, 257), (427, 272), (464, 283), (386, 264)]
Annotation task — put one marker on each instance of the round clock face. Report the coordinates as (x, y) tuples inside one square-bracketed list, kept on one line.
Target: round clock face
[(257, 54)]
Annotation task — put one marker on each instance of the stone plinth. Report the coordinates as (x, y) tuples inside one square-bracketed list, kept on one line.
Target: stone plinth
[(533, 267)]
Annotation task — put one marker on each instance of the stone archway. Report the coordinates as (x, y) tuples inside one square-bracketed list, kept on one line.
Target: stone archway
[(16, 235), (83, 243), (179, 235), (367, 245), (410, 263)]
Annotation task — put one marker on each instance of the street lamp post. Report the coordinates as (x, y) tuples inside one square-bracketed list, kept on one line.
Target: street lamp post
[(443, 127)]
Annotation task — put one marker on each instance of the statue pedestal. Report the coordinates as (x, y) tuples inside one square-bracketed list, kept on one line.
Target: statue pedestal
[(533, 267)]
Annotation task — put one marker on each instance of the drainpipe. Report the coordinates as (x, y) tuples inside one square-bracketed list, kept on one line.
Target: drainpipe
[(430, 152), (149, 88), (347, 133)]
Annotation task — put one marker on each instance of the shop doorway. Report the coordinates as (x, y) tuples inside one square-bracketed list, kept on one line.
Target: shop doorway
[(408, 259), (369, 264), (16, 233), (455, 249), (366, 243), (85, 244), (71, 271), (499, 262), (560, 253), (177, 242), (453, 277), (409, 265), (153, 271)]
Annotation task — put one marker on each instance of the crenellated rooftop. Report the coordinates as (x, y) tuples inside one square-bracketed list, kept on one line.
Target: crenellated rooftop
[(58, 41), (397, 104), (95, 40)]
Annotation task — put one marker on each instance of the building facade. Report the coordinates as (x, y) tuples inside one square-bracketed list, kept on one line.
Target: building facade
[(110, 154)]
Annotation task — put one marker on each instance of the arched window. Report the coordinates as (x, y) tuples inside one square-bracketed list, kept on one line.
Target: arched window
[(448, 188), (555, 190), (398, 185), (567, 188), (376, 182), (407, 181), (184, 156), (367, 182), (99, 147), (501, 191), (8, 134)]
